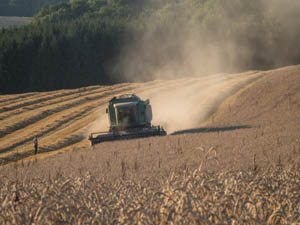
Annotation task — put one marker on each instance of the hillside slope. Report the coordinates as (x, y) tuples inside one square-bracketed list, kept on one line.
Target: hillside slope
[(64, 119), (270, 108), (255, 127), (241, 166)]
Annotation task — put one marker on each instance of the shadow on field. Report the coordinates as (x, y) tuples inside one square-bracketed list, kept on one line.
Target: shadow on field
[(210, 129)]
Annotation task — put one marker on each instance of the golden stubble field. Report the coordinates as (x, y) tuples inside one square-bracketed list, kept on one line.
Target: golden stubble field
[(239, 165), (63, 119)]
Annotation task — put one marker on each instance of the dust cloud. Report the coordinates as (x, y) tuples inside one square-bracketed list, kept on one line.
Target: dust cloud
[(190, 54), (183, 103), (220, 37), (192, 100), (180, 107), (99, 125), (184, 57), (221, 46)]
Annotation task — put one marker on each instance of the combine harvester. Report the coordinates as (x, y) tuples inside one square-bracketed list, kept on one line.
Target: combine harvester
[(129, 117)]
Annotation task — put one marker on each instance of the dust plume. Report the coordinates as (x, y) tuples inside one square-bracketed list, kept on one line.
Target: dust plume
[(187, 102), (183, 41), (183, 107), (99, 125), (201, 37), (189, 40)]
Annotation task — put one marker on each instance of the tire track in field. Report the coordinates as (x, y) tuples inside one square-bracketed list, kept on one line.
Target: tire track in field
[(14, 98), (55, 122), (22, 121), (25, 98), (43, 100), (62, 97)]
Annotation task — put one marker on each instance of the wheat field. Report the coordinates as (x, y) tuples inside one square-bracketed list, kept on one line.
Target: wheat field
[(188, 196), (225, 175), (62, 120)]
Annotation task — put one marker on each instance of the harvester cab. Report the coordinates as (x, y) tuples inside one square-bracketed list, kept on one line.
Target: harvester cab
[(129, 117)]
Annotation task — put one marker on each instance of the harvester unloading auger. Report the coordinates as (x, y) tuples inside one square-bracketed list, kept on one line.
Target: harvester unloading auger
[(129, 117)]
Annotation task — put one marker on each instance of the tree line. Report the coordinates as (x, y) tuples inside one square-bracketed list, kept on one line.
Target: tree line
[(86, 42)]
